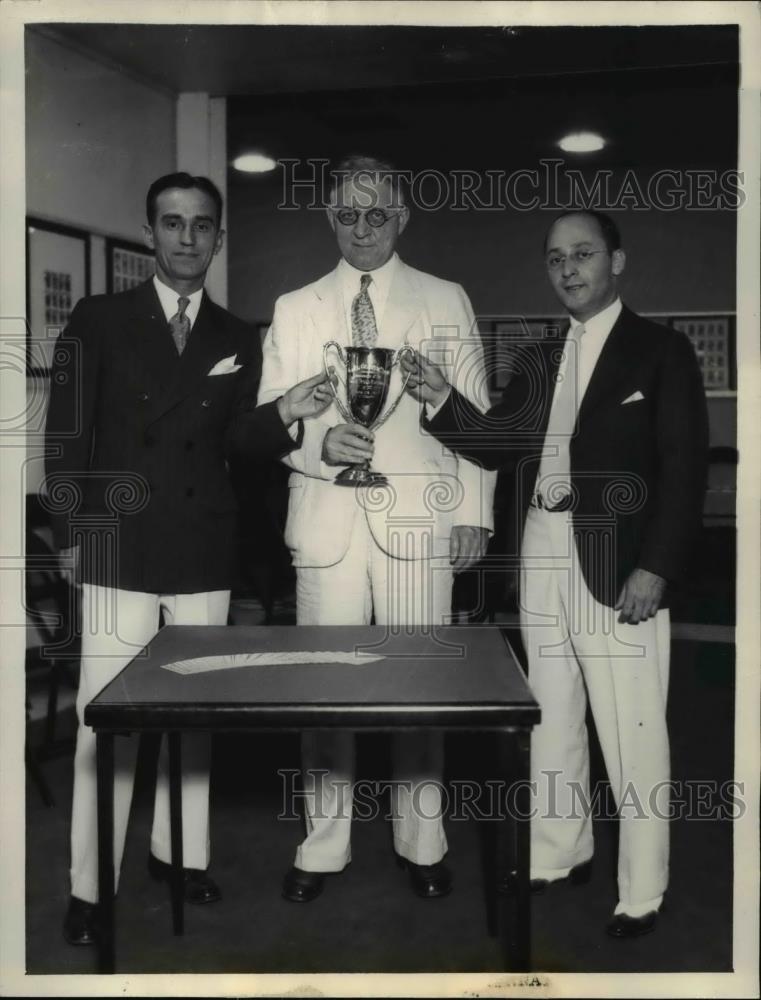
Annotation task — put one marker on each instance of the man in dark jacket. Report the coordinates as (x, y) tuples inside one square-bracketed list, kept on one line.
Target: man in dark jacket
[(143, 390), (607, 430)]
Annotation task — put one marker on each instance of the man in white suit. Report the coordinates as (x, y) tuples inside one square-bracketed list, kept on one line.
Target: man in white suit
[(387, 554)]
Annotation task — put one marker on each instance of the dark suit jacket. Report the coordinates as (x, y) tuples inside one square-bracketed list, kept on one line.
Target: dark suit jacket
[(136, 438), (638, 469)]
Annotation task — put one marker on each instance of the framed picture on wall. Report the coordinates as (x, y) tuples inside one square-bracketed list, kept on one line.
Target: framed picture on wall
[(127, 264), (57, 276), (713, 338)]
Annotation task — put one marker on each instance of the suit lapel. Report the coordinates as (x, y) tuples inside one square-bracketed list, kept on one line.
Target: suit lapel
[(327, 311), (402, 309), (150, 333), (618, 357), (205, 346)]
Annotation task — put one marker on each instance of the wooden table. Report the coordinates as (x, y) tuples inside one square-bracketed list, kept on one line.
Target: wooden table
[(453, 678)]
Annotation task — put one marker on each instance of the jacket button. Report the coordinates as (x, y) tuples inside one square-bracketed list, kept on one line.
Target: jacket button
[(190, 492), (189, 445), (143, 397), (149, 440), (206, 402)]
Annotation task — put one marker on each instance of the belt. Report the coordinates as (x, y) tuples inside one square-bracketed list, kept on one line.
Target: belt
[(565, 503)]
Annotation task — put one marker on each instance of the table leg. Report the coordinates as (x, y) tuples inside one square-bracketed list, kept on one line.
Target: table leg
[(104, 743), (175, 826), (518, 939)]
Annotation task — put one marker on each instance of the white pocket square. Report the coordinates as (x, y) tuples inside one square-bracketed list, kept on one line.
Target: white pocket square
[(634, 398), (226, 366)]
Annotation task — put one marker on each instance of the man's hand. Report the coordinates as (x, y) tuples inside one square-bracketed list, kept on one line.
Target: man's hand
[(68, 565), (347, 444), (467, 544), (640, 597), (427, 382), (306, 399)]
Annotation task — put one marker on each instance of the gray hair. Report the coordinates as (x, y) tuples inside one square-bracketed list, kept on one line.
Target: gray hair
[(369, 169)]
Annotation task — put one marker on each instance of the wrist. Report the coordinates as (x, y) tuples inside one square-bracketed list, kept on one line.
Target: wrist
[(285, 411)]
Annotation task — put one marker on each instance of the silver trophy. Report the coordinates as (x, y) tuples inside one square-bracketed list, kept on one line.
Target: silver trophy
[(368, 373)]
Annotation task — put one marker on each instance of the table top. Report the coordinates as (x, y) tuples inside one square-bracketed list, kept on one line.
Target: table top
[(445, 677)]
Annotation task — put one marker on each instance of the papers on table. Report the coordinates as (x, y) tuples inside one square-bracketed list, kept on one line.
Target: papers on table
[(202, 664)]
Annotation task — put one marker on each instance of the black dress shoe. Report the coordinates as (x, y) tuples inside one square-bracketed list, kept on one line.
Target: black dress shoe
[(302, 887), (623, 926), (427, 881), (80, 922), (578, 875), (199, 886)]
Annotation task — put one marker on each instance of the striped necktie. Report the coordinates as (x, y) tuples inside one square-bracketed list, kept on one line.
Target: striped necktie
[(364, 331), (179, 324), (554, 482)]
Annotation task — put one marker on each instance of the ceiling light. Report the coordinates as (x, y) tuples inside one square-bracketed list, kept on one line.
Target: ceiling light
[(254, 163), (581, 142)]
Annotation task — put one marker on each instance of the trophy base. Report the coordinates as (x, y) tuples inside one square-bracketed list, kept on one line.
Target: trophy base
[(360, 475)]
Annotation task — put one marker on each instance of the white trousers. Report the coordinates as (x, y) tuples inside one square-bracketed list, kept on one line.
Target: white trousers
[(400, 592), (116, 624), (577, 649)]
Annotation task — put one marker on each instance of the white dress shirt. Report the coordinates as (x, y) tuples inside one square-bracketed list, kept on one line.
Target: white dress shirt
[(168, 298), (589, 338), (378, 289), (592, 341)]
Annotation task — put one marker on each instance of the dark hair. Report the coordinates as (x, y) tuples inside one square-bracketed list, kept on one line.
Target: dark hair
[(372, 169), (608, 229), (186, 182)]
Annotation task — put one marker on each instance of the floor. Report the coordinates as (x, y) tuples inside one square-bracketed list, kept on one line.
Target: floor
[(367, 919)]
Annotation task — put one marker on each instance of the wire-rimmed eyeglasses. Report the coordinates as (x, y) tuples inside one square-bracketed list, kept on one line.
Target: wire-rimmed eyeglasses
[(557, 260)]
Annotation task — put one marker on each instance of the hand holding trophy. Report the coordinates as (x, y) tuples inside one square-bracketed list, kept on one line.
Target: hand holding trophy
[(368, 373)]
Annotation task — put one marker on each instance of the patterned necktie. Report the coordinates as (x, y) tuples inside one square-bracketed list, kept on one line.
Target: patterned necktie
[(364, 331), (554, 481), (179, 324)]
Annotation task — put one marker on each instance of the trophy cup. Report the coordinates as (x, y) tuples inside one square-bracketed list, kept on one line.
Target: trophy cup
[(368, 372)]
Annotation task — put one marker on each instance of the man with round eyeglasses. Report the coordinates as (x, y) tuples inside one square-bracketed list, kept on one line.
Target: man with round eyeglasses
[(385, 555), (607, 431)]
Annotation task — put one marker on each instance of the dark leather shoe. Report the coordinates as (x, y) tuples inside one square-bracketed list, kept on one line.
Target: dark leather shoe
[(427, 881), (199, 886), (578, 875), (624, 926), (80, 922), (302, 887)]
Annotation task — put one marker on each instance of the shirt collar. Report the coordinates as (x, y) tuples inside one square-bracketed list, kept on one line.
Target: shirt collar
[(168, 299), (382, 277), (600, 325)]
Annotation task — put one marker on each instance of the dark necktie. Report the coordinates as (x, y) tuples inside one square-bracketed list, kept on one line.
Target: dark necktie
[(364, 331), (179, 324)]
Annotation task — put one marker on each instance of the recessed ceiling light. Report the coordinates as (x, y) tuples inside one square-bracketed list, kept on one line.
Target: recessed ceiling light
[(254, 163), (581, 142)]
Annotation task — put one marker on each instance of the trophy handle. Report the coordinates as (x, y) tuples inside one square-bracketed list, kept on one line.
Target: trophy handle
[(404, 349), (339, 403)]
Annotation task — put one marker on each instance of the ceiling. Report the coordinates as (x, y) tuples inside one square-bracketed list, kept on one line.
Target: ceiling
[(225, 60), (476, 98)]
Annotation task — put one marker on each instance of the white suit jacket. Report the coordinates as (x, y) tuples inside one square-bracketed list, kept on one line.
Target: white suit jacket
[(430, 490)]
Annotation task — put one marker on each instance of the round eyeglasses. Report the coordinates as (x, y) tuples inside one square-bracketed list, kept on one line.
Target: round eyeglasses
[(375, 217), (557, 260)]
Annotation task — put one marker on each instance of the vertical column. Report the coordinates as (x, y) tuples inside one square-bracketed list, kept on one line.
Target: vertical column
[(202, 149)]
